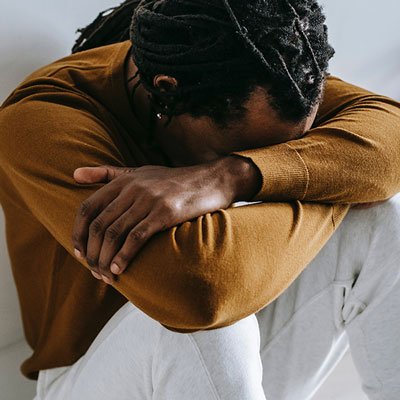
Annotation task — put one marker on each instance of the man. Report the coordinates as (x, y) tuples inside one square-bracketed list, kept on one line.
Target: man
[(220, 102)]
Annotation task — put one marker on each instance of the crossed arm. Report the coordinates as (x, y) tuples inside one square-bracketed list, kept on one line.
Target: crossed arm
[(215, 269)]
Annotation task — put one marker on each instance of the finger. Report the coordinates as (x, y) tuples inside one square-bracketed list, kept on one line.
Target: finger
[(90, 174), (112, 229), (98, 228), (101, 278), (116, 234), (103, 173), (87, 211), (134, 241), (96, 275)]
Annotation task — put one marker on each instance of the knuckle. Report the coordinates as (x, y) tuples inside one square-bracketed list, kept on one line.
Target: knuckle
[(164, 203), (137, 235), (170, 213), (112, 234), (169, 207), (149, 193), (76, 239), (124, 258), (103, 266), (84, 208), (169, 210), (110, 208), (96, 227)]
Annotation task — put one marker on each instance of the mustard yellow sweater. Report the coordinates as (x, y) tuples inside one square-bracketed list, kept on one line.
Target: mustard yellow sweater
[(205, 273)]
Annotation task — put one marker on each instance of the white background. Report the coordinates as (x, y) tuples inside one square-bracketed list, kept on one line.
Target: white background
[(365, 34)]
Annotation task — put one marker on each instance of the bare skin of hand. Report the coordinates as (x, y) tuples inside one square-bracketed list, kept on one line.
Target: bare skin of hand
[(135, 203), (114, 223)]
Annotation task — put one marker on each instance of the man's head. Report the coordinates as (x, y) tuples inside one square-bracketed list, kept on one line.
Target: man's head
[(234, 74), (220, 51), (229, 74)]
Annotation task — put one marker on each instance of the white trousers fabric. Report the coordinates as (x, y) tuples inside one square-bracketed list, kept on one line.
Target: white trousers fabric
[(348, 296)]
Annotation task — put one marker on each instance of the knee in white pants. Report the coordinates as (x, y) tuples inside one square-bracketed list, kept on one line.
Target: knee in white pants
[(368, 264), (136, 357), (370, 311), (215, 364)]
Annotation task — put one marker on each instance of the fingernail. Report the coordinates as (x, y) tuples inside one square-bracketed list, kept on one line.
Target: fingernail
[(96, 275), (115, 269), (77, 253), (76, 172), (106, 280)]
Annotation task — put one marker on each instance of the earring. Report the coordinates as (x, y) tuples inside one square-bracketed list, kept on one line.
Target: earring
[(159, 115)]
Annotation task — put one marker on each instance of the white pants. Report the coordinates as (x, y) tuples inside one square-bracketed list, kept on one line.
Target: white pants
[(349, 295)]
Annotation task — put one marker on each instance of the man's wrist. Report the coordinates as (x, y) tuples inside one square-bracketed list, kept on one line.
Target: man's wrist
[(245, 177)]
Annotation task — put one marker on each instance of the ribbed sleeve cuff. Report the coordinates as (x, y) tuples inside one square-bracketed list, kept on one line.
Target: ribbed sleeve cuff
[(284, 172)]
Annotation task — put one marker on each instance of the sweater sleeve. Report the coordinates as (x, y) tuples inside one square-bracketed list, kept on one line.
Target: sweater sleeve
[(351, 155), (203, 274)]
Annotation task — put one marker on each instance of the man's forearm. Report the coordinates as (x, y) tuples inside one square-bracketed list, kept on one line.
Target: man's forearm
[(218, 268), (351, 155)]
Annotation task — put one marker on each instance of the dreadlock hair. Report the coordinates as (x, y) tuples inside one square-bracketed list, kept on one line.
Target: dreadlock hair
[(220, 51)]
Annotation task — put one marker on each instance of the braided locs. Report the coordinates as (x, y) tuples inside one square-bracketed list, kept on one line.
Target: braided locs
[(220, 50), (110, 26)]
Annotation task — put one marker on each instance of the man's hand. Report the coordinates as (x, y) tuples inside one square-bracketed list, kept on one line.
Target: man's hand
[(116, 221)]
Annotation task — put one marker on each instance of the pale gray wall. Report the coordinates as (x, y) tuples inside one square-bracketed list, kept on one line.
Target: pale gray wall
[(366, 36)]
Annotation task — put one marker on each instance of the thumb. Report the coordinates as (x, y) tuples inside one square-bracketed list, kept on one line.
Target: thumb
[(103, 173)]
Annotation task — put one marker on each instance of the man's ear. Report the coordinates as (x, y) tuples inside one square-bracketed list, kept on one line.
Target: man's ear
[(165, 83)]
